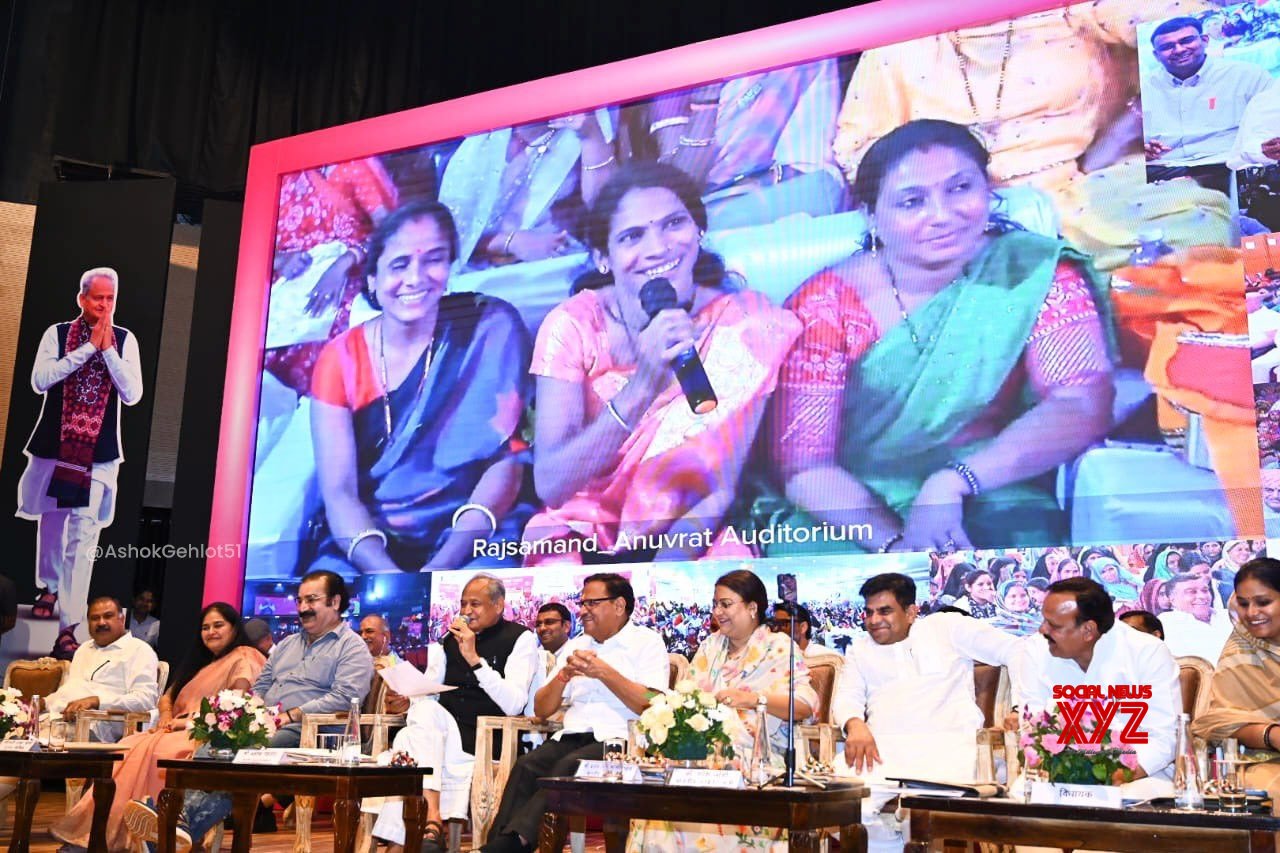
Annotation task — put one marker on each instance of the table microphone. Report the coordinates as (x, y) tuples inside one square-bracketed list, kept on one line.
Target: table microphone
[(657, 295)]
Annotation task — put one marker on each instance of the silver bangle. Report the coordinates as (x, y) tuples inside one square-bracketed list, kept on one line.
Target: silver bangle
[(889, 543), (622, 422), (696, 143), (506, 244), (966, 474), (599, 165), (371, 532), (674, 121)]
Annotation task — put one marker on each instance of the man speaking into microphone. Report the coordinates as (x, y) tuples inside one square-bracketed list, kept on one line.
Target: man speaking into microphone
[(624, 455)]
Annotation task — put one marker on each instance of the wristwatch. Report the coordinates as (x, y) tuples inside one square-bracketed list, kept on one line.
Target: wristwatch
[(476, 666)]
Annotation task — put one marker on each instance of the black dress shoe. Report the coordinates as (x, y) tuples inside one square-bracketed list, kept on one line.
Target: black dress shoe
[(507, 842), (264, 820)]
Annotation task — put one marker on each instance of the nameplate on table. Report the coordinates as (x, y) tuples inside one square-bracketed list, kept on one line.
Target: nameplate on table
[(697, 777), (588, 769), (1062, 794), (269, 757), (20, 745)]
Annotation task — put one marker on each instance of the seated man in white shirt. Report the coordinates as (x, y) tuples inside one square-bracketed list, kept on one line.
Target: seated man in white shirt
[(1081, 643), (604, 681), (142, 624), (1193, 626), (115, 672), (491, 663), (784, 613), (906, 700)]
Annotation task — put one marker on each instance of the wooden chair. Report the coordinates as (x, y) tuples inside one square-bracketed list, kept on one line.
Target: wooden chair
[(819, 739), (133, 721), (1195, 675), (38, 677), (992, 693), (380, 724), (491, 773)]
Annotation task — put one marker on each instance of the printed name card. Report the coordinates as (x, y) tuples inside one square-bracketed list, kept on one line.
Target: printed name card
[(588, 769), (261, 756), (19, 745), (1063, 794), (696, 777)]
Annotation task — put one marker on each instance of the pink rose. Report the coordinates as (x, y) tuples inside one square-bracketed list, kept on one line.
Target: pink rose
[(1052, 744), (1032, 757), (1129, 759)]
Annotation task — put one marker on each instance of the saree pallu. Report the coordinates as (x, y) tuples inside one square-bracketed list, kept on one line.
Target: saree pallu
[(1245, 690), (447, 426), (138, 776), (674, 458)]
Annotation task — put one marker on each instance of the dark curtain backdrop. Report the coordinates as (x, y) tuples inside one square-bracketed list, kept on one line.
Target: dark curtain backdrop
[(187, 87)]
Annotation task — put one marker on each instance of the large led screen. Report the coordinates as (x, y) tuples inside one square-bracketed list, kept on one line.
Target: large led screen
[(955, 296)]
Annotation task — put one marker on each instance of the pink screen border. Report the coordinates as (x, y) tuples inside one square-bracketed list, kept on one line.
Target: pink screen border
[(831, 34)]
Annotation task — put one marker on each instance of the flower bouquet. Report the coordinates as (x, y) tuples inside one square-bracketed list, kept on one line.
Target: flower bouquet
[(686, 724), (1070, 760), (231, 721), (15, 715)]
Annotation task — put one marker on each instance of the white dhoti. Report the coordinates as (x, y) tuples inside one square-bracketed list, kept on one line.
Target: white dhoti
[(432, 738), (67, 538)]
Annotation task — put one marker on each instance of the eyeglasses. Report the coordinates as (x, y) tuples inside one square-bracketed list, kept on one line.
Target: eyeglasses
[(310, 599), (590, 603), (724, 604)]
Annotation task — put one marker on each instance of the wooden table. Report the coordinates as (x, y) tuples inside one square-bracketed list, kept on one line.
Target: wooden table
[(31, 767), (246, 783), (953, 823), (801, 811)]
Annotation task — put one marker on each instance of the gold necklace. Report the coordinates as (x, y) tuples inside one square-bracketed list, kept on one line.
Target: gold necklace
[(986, 131), (386, 386)]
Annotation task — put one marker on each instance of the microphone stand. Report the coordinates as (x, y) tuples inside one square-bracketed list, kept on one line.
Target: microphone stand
[(789, 774)]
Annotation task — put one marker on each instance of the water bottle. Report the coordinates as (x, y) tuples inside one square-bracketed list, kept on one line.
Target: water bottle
[(1187, 792), (1151, 248), (760, 769), (351, 739), (33, 728)]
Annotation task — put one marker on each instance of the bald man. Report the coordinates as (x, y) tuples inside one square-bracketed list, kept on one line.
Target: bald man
[(377, 636)]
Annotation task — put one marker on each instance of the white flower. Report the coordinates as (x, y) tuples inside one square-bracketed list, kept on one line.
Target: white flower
[(698, 723), (719, 713), (707, 700), (685, 686), (659, 701), (658, 736), (254, 726)]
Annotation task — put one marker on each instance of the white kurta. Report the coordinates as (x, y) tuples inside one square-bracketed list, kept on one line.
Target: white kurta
[(917, 696), (1122, 656), (121, 674)]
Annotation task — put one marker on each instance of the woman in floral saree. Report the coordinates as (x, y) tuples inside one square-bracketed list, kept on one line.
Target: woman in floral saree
[(946, 370)]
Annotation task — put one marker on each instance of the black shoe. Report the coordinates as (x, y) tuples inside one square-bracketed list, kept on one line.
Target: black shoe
[(507, 842), (264, 820)]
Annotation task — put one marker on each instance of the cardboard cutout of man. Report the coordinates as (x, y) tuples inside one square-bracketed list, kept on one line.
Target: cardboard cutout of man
[(85, 369)]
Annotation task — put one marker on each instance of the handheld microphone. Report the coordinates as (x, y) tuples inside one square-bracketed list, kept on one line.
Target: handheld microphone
[(658, 295)]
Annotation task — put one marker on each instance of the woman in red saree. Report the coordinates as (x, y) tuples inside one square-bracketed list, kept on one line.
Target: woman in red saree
[(222, 660), (620, 459)]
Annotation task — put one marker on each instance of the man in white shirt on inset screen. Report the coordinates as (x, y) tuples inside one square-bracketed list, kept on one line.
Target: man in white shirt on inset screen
[(603, 682), (906, 700), (1081, 643), (115, 672), (1192, 107)]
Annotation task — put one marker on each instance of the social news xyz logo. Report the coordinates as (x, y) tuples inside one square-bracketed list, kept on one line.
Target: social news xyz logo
[(1104, 705)]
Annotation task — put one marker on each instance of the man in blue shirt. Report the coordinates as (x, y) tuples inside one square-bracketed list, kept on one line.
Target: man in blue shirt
[(316, 671)]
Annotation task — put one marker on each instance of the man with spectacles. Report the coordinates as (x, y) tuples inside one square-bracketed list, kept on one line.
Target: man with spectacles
[(1192, 106), (784, 614), (554, 626), (319, 670), (604, 680)]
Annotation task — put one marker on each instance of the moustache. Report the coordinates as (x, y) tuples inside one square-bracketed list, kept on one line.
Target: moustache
[(306, 614)]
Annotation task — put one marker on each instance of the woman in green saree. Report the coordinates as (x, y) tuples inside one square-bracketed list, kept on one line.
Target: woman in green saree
[(946, 370)]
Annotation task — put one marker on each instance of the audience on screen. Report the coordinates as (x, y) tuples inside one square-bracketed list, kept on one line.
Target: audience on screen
[(518, 194), (416, 464), (1193, 104), (853, 425), (620, 458), (759, 146)]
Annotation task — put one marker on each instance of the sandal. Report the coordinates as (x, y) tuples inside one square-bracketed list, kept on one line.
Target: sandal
[(433, 837), (64, 648), (44, 605)]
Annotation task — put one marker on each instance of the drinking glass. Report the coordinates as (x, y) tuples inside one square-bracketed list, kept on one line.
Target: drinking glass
[(1231, 786), (57, 735), (331, 747), (615, 751)]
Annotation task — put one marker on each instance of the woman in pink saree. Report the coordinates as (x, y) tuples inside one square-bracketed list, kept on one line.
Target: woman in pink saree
[(625, 467), (222, 660)]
